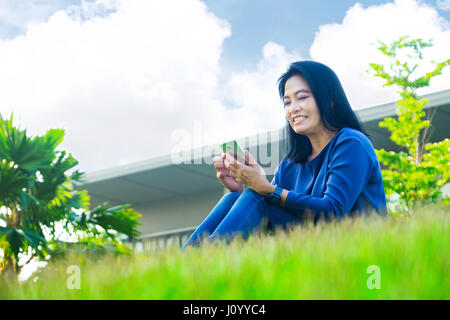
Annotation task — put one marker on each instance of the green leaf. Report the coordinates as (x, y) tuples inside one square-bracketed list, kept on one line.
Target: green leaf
[(14, 239)]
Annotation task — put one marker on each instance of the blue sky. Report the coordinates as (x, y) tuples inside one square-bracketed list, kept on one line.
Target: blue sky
[(292, 23), (172, 68)]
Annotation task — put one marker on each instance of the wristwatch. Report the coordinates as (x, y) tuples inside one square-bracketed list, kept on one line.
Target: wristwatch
[(275, 196)]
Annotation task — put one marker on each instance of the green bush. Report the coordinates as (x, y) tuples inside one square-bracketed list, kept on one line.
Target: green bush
[(38, 198), (418, 172)]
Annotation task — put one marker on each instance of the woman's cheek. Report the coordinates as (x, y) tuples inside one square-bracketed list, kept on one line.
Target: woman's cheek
[(288, 119)]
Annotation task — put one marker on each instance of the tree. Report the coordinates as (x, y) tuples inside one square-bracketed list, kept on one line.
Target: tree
[(418, 172), (38, 199)]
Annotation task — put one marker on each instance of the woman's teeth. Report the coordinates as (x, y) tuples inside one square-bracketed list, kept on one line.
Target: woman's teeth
[(299, 118)]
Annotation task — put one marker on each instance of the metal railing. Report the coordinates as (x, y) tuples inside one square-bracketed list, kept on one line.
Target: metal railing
[(160, 240)]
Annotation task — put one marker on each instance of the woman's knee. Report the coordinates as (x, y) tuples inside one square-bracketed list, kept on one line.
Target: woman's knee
[(253, 194), (230, 196), (248, 193)]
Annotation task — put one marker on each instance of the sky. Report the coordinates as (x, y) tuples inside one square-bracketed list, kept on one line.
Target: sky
[(130, 80)]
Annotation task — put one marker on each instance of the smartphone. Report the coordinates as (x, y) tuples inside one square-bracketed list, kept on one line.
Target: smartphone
[(234, 149)]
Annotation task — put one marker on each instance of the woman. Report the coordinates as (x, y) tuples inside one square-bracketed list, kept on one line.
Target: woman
[(330, 169)]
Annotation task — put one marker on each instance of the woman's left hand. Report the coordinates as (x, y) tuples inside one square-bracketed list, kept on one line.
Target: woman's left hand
[(251, 175)]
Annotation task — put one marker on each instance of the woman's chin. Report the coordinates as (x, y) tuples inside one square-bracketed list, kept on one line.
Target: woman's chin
[(299, 129)]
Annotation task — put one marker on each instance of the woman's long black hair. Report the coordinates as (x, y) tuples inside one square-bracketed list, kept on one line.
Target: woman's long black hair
[(335, 110)]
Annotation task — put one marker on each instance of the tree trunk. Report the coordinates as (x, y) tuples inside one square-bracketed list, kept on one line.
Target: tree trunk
[(10, 263), (426, 134), (10, 267)]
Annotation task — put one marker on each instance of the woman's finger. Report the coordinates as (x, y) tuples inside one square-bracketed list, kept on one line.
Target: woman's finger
[(230, 158), (237, 165), (218, 165), (221, 175), (236, 176), (235, 172), (218, 160)]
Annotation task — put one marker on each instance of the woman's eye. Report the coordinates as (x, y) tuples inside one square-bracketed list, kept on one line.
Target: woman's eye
[(299, 98)]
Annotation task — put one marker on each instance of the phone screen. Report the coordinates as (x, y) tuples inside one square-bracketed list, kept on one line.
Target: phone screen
[(235, 149)]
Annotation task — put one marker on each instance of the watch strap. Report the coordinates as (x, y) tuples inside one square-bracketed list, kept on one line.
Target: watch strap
[(275, 196)]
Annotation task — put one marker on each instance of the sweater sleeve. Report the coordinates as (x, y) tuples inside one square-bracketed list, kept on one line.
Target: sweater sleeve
[(348, 172), (276, 174)]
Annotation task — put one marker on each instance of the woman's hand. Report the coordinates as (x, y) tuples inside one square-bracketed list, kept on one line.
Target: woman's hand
[(251, 175), (224, 175)]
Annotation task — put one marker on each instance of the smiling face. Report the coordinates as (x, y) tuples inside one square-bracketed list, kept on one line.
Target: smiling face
[(301, 109)]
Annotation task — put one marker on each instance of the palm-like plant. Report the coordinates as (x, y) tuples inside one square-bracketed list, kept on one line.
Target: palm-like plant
[(37, 197)]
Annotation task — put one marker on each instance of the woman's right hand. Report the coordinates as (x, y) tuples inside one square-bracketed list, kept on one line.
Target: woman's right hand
[(224, 175)]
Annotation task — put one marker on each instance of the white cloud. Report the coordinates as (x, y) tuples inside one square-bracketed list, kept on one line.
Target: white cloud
[(443, 4), (346, 47), (122, 84), (256, 93), (119, 84)]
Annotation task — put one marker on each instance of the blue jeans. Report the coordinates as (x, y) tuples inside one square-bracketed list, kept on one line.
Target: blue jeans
[(238, 213)]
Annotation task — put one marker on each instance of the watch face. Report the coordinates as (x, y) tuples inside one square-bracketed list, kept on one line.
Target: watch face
[(275, 196), (278, 191)]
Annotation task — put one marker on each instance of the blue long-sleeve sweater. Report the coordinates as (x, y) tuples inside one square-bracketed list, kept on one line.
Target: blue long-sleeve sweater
[(344, 177)]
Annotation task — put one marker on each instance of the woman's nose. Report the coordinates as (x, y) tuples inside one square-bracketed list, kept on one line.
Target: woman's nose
[(296, 106)]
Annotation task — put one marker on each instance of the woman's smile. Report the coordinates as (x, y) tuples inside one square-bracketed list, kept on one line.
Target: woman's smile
[(298, 119)]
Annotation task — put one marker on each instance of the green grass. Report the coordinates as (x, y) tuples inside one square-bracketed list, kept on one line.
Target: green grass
[(327, 261)]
